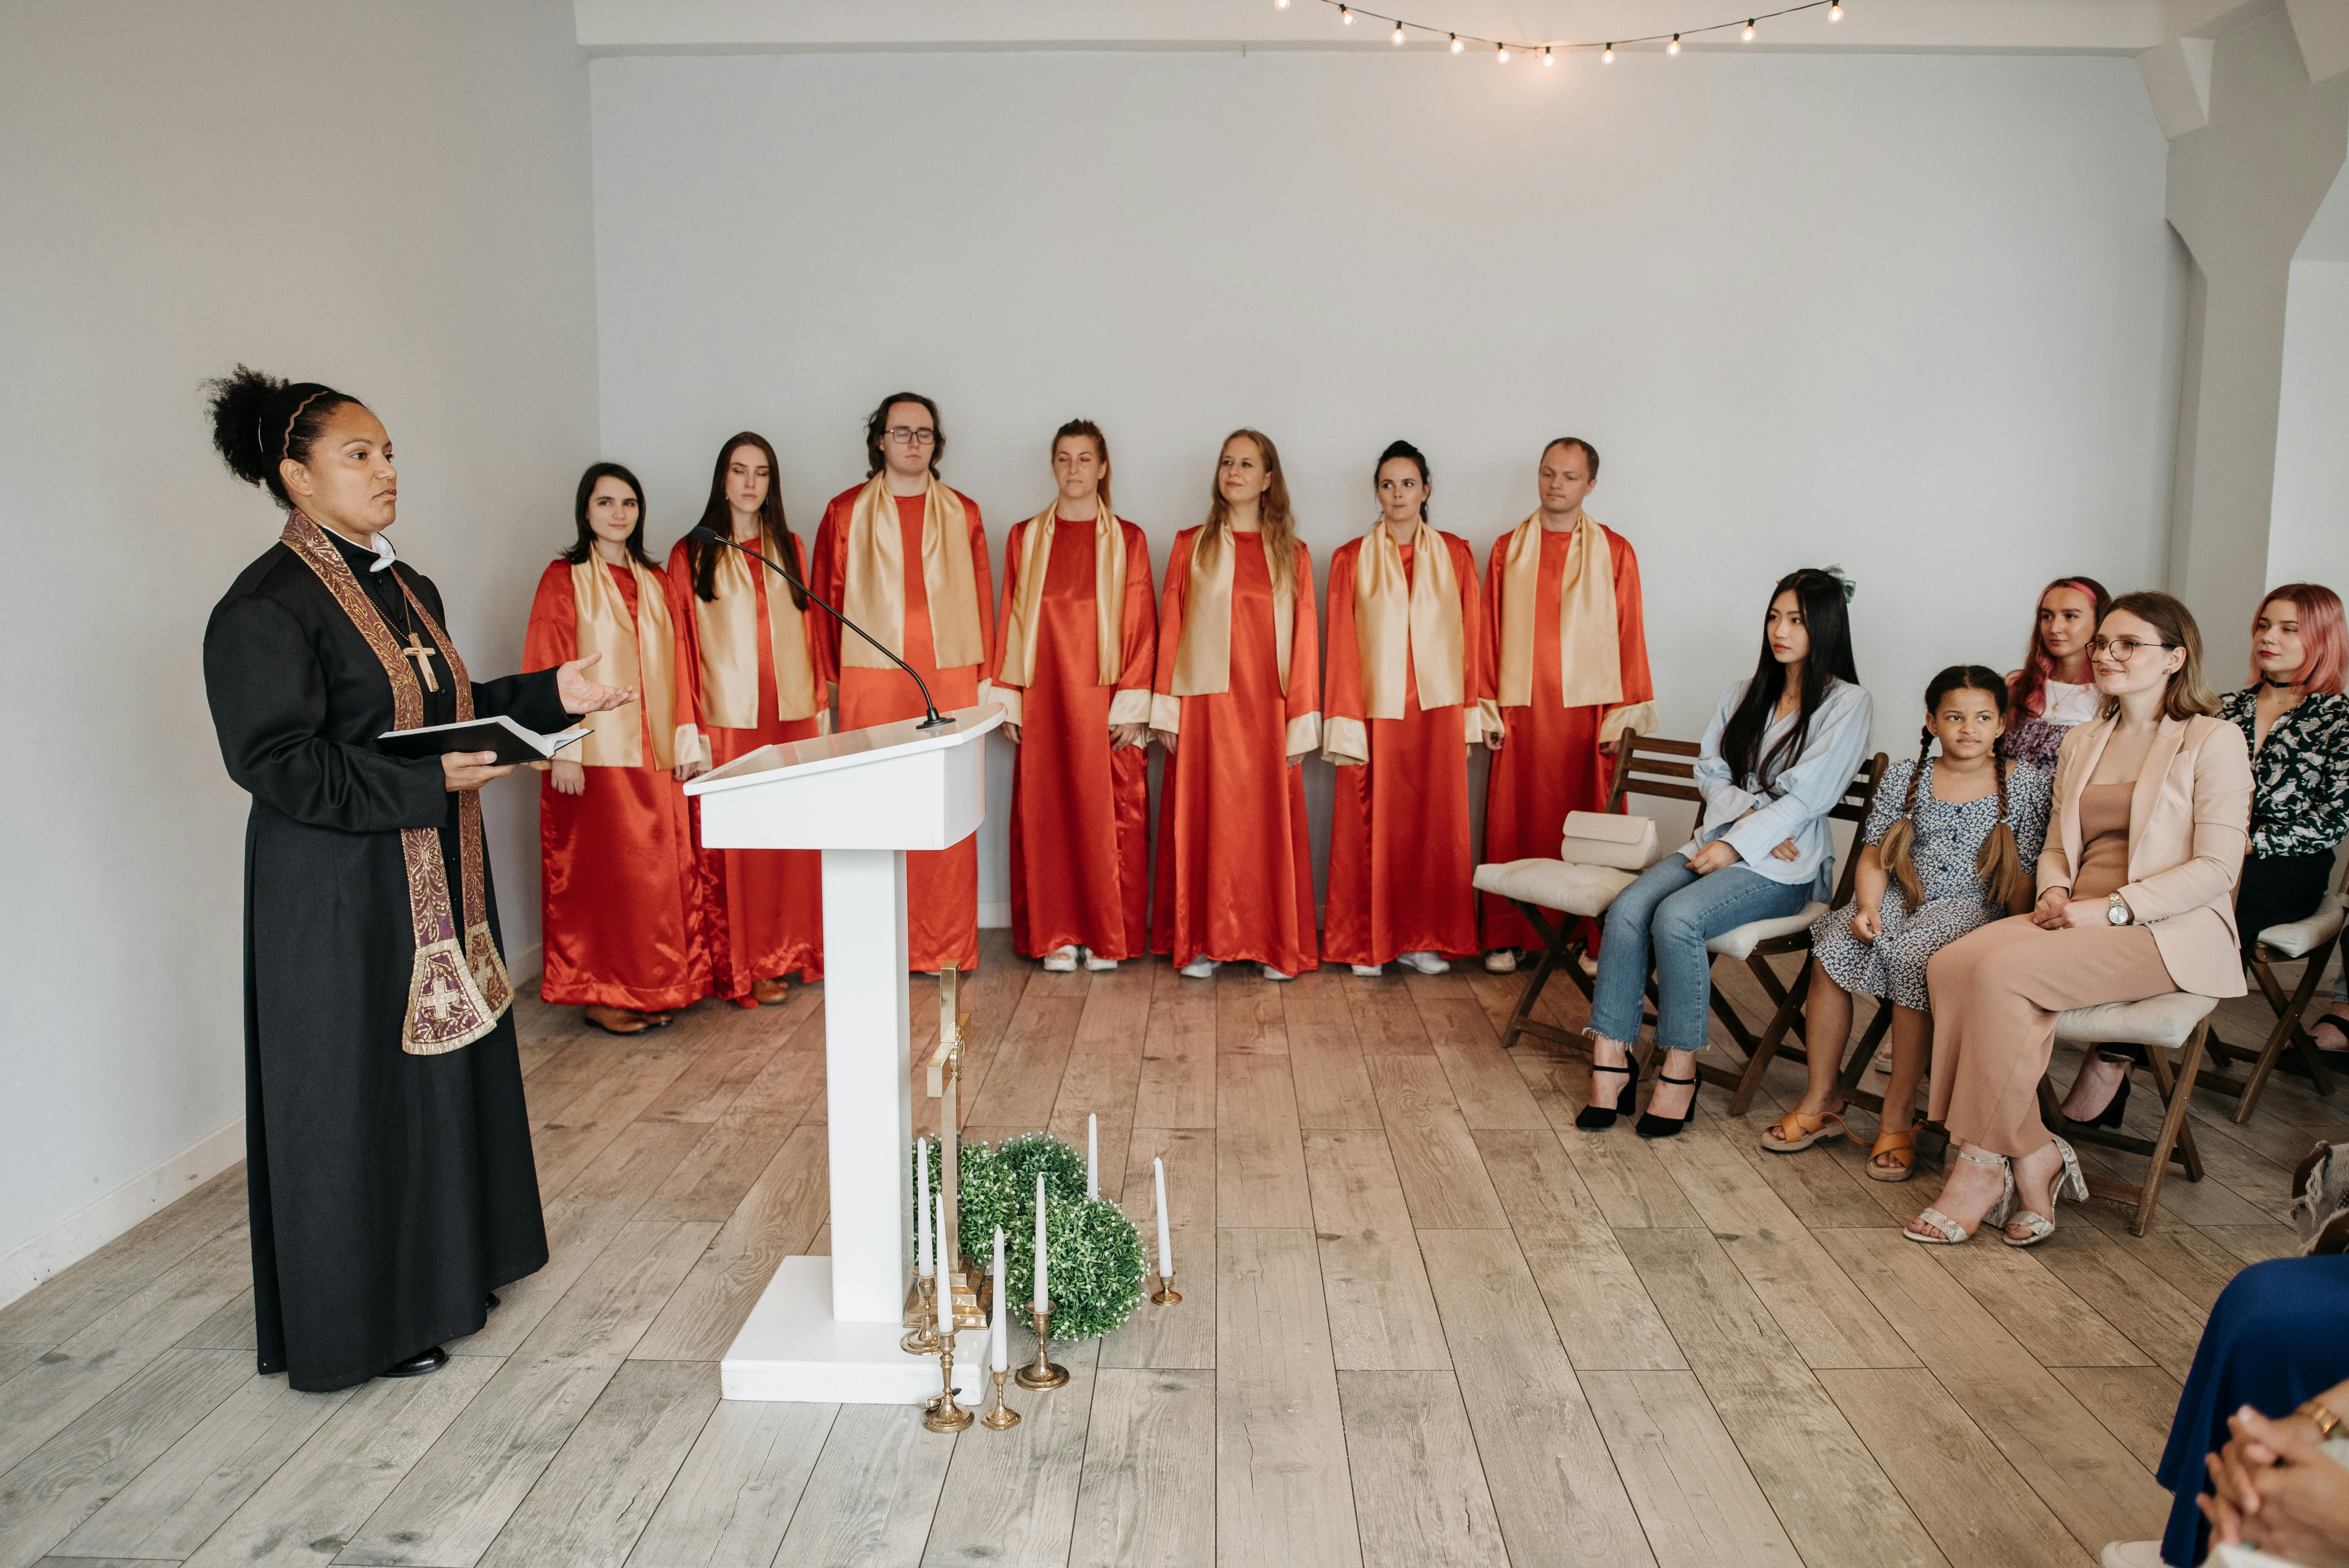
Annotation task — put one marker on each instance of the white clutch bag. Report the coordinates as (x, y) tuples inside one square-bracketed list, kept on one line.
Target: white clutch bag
[(1602, 838)]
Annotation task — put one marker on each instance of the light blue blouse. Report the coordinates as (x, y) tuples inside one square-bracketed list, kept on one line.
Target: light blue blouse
[(1796, 805)]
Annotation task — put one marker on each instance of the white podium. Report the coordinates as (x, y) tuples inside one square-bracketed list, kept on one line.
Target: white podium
[(827, 1329)]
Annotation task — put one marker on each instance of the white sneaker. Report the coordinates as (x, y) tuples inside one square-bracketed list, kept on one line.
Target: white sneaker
[(1272, 974), (1426, 963), (1369, 971), (1501, 961), (1098, 965), (1200, 969), (2131, 1555), (1060, 961)]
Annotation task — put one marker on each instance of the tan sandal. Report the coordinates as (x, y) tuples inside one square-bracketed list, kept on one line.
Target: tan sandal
[(1902, 1146), (1795, 1131)]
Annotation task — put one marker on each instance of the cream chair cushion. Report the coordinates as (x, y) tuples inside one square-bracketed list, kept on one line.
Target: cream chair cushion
[(1739, 941), (1555, 884), (2302, 938), (2164, 1021)]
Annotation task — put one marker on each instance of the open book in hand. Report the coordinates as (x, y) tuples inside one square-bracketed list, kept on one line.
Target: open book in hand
[(512, 742)]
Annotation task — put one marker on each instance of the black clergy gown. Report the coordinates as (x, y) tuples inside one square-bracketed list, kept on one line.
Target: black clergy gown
[(390, 1192)]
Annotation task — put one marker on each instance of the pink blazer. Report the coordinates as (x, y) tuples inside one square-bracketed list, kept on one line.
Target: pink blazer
[(2189, 819)]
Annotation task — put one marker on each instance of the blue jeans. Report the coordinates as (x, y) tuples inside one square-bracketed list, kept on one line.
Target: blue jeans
[(1674, 912)]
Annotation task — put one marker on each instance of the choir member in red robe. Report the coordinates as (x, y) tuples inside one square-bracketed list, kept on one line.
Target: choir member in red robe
[(1409, 694), (1570, 673), (1237, 702), (747, 643), (619, 892), (1075, 649), (905, 557)]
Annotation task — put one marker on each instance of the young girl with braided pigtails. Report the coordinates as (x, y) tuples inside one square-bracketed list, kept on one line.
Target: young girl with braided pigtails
[(1949, 846)]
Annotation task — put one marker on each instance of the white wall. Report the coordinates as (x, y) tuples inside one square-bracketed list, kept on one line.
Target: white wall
[(394, 199), (2308, 531), (1910, 314)]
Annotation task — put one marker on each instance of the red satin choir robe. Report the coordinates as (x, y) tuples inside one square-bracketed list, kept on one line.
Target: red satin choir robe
[(1079, 811), (1401, 850), (941, 885), (620, 898), (765, 907), (1235, 865), (1549, 762)]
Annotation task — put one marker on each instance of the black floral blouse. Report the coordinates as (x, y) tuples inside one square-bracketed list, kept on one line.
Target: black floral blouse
[(2299, 778)]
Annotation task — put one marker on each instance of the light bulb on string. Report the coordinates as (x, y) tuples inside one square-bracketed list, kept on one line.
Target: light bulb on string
[(1280, 5), (1674, 47), (1747, 36), (1396, 36), (1608, 58), (1504, 49), (1345, 15), (1548, 59), (1455, 43), (1834, 12)]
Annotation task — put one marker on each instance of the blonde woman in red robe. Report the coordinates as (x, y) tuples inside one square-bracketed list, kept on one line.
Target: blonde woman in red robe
[(1409, 697), (745, 635), (905, 557), (620, 899), (1569, 672), (1075, 649), (1237, 702)]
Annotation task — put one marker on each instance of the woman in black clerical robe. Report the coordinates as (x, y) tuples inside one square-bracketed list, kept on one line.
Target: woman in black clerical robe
[(387, 1148)]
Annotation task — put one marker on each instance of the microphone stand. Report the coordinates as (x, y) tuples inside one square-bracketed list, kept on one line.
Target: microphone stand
[(936, 720)]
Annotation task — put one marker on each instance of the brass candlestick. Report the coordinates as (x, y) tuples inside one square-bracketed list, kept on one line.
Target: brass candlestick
[(1043, 1374), (946, 1416), (1002, 1417), (922, 1339), (1165, 1294)]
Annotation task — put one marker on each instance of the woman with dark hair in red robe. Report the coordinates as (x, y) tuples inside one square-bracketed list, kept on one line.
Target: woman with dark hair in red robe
[(747, 646), (619, 892), (1075, 648)]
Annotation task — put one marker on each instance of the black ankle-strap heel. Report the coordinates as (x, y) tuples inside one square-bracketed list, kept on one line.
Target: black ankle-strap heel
[(1598, 1119), (1651, 1125)]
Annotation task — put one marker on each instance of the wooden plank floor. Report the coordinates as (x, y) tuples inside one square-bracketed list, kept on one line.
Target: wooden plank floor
[(1426, 1322)]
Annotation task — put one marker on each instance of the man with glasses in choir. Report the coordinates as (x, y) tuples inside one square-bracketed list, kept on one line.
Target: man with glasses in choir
[(905, 557)]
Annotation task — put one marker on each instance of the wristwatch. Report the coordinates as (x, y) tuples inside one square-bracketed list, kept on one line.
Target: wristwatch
[(2116, 909)]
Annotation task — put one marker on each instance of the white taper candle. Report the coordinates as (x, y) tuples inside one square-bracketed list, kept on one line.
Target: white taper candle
[(921, 1263), (1092, 1155), (1000, 1350), (946, 1282), (1042, 1300), (1165, 1235)]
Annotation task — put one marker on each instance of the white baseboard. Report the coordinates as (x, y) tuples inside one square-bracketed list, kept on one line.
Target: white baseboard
[(88, 1228), (525, 966), (992, 915)]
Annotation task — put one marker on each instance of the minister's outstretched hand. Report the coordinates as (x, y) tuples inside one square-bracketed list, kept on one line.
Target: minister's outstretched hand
[(581, 695)]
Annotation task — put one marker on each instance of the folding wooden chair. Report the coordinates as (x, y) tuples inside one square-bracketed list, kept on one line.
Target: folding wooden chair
[(2313, 939), (1758, 942), (1541, 889), (2181, 1022)]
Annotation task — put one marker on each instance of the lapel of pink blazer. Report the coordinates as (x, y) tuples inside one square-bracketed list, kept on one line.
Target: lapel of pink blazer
[(2084, 767), (2145, 798)]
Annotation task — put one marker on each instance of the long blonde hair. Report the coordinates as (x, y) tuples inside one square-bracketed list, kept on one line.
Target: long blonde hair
[(1999, 862), (1272, 509)]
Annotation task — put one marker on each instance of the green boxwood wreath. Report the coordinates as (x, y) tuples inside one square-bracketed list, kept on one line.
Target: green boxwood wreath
[(1097, 1259)]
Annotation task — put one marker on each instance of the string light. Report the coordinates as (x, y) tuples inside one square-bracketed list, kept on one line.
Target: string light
[(1747, 31)]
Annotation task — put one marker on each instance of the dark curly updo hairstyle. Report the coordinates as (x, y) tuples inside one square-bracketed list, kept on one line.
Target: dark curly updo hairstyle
[(259, 421), (1417, 459)]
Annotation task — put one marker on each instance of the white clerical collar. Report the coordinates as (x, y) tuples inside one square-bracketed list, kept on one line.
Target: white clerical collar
[(384, 554)]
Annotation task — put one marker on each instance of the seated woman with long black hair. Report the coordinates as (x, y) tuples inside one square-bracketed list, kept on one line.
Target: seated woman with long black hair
[(1780, 751)]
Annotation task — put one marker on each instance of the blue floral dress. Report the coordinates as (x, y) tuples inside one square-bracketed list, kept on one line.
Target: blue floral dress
[(1948, 839)]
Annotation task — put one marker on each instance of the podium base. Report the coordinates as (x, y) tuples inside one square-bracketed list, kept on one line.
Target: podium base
[(790, 1347)]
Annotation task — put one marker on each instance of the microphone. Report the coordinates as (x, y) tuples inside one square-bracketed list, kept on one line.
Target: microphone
[(936, 720)]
